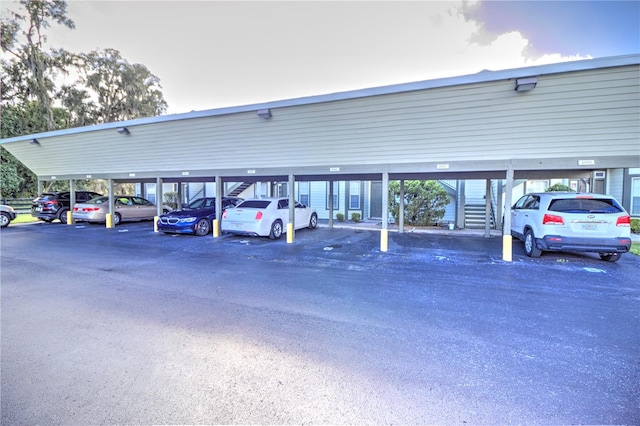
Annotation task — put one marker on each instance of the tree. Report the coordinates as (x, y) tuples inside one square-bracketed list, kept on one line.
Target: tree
[(109, 88), (33, 69), (425, 201), (123, 90)]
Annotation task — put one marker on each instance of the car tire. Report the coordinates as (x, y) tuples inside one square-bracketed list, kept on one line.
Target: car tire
[(276, 230), (117, 219), (313, 222), (202, 227), (610, 257), (530, 248), (62, 216), (4, 220)]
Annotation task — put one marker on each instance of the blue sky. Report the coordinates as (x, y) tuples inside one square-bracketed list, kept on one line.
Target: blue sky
[(211, 54), (595, 28)]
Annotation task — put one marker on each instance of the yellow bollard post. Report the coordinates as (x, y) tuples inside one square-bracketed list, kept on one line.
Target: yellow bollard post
[(69, 218), (507, 248), (384, 240), (289, 233), (109, 221), (216, 228), (155, 223)]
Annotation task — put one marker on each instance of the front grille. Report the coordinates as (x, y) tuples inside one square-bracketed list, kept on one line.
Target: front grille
[(169, 220)]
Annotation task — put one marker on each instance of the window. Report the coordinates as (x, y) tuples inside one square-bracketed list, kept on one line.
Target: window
[(303, 192), (635, 196), (354, 195)]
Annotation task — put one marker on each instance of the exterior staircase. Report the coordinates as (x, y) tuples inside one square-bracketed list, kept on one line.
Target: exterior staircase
[(238, 189), (474, 217)]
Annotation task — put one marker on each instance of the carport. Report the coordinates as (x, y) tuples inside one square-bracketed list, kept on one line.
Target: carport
[(559, 120)]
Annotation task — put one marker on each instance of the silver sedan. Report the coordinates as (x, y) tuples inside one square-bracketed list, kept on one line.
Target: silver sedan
[(127, 207)]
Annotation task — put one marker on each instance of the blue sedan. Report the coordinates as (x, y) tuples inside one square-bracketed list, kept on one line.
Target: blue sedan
[(195, 218)]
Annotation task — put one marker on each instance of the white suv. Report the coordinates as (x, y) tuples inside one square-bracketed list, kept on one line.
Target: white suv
[(571, 221)]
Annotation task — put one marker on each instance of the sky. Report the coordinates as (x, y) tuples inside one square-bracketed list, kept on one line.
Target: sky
[(212, 54)]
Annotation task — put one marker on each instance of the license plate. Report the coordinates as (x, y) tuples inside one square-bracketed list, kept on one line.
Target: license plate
[(589, 227)]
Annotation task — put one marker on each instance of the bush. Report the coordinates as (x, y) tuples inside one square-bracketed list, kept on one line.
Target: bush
[(340, 217), (355, 217), (635, 225), (558, 187), (425, 202)]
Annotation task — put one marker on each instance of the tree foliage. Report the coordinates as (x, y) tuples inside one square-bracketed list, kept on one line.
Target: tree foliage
[(425, 201), (559, 187)]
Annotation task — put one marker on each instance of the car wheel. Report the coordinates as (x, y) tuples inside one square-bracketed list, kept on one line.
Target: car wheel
[(313, 222), (202, 227), (530, 248), (4, 220), (165, 211), (116, 219), (276, 230), (610, 257), (62, 216)]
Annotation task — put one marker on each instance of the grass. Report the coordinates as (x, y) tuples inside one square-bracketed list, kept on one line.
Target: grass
[(24, 218), (635, 248)]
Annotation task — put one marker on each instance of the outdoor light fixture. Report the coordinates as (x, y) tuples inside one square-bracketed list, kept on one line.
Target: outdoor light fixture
[(526, 84), (34, 142), (123, 130), (264, 113)]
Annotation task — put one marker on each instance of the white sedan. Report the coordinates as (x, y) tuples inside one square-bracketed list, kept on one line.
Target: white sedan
[(266, 217)]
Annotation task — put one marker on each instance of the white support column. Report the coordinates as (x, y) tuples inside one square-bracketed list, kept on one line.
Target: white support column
[(292, 210), (384, 233), (219, 195), (487, 210), (507, 247), (72, 201), (330, 204), (401, 209)]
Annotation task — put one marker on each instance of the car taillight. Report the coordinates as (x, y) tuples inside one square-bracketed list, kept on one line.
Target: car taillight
[(224, 214), (90, 209), (75, 209), (258, 215), (552, 219), (51, 202), (623, 221)]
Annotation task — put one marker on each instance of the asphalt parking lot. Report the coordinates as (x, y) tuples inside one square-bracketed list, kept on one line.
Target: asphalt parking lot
[(130, 326)]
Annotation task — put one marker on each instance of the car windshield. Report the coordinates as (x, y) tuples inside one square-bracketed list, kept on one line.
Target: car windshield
[(585, 205), (254, 204), (200, 203)]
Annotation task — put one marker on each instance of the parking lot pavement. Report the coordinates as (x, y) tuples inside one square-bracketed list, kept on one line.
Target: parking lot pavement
[(131, 326)]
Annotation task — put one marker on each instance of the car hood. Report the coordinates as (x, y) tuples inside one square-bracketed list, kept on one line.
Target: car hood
[(190, 212)]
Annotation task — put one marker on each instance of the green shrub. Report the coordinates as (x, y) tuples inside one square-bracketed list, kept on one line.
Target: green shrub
[(559, 187), (355, 217), (425, 202), (635, 225), (340, 217)]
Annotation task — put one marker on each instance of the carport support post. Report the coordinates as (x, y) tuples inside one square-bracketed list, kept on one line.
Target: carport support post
[(507, 247), (384, 232), (292, 209), (72, 201), (216, 221), (330, 204), (109, 219), (487, 210), (401, 208), (159, 203)]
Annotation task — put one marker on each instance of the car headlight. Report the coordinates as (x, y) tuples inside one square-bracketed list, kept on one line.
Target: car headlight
[(188, 219)]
